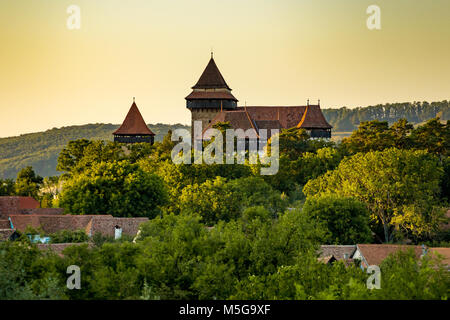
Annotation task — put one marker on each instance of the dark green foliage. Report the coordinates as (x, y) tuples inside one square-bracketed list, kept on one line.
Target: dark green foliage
[(40, 150), (69, 236), (28, 183), (345, 119), (120, 188), (7, 187), (216, 200), (346, 219), (375, 135)]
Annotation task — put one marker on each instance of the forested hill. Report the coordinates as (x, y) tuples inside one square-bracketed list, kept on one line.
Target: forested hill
[(40, 150), (345, 119)]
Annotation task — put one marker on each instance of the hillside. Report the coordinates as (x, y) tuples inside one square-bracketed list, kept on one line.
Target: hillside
[(347, 120), (41, 149)]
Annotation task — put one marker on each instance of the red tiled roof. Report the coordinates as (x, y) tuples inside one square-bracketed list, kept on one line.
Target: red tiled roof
[(133, 124), (340, 252), (211, 78), (207, 95), (53, 223), (5, 234), (313, 118), (4, 224), (28, 203), (376, 253), (91, 224)]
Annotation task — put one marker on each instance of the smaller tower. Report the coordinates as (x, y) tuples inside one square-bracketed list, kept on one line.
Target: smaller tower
[(134, 129)]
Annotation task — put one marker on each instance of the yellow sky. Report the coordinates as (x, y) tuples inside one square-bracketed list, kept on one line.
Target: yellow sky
[(271, 52)]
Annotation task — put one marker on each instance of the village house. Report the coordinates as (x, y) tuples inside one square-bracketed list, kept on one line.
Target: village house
[(374, 254), (19, 213)]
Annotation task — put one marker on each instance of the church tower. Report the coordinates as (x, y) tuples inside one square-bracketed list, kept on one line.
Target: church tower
[(210, 95)]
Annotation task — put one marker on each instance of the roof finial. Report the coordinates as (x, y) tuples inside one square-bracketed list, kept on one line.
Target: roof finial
[(134, 99), (319, 102), (212, 53), (307, 103)]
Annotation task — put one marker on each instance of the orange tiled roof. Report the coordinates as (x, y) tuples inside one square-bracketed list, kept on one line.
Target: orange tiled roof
[(374, 254), (133, 124)]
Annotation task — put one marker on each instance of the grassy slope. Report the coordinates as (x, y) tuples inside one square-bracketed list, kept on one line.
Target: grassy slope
[(41, 149)]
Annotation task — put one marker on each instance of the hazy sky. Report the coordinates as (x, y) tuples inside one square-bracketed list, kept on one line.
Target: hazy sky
[(271, 52)]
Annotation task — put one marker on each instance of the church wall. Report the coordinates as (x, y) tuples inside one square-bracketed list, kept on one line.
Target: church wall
[(203, 115)]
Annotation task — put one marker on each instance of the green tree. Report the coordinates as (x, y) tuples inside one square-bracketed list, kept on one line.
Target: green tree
[(28, 183), (7, 187), (370, 136), (433, 136), (399, 187), (117, 188), (346, 219), (217, 199)]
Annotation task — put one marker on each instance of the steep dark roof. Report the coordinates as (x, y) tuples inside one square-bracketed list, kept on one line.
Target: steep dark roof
[(219, 95), (211, 78), (133, 124), (313, 118)]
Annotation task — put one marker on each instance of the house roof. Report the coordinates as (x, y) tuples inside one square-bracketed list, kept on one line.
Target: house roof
[(134, 124), (28, 203), (91, 224), (340, 252), (374, 254), (18, 203), (327, 259), (211, 78), (4, 224), (445, 252), (5, 234), (53, 223)]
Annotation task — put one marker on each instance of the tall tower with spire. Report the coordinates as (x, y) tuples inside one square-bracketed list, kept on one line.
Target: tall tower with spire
[(210, 95)]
